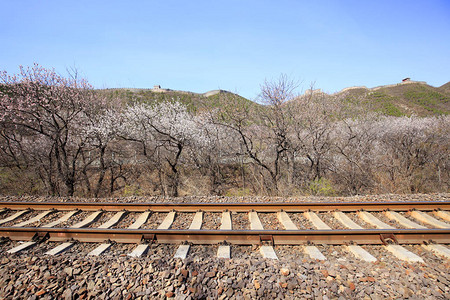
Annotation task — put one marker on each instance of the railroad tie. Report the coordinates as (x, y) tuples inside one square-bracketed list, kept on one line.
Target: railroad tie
[(182, 251), (224, 251), (403, 254), (27, 245), (345, 220), (15, 216), (114, 220), (314, 252), (255, 222), (316, 221), (402, 220), (139, 251), (445, 215), (426, 218), (371, 219), (356, 250), (438, 249), (284, 219), (197, 221), (140, 220), (89, 220), (226, 221), (268, 252), (35, 219), (361, 253), (399, 251), (196, 224), (168, 220), (99, 250), (58, 249), (62, 219), (111, 222), (22, 246)]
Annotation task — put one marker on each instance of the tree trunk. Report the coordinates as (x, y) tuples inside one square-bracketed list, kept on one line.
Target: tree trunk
[(102, 172)]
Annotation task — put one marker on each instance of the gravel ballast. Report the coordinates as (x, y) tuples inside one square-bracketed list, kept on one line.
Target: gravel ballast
[(157, 275)]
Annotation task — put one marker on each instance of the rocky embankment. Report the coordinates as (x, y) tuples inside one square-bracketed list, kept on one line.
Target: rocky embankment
[(72, 275)]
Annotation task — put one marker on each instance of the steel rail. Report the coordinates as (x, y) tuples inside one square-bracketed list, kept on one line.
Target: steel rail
[(234, 207), (239, 237)]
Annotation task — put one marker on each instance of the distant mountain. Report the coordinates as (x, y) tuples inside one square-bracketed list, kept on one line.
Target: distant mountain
[(406, 98), (402, 99), (195, 101)]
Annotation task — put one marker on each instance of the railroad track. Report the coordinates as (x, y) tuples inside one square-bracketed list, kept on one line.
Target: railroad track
[(265, 224)]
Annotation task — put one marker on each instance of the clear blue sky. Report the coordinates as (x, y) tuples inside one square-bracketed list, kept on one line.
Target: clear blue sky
[(233, 45)]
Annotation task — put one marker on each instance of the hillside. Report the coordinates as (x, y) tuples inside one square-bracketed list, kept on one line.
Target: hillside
[(403, 99), (195, 101), (445, 88)]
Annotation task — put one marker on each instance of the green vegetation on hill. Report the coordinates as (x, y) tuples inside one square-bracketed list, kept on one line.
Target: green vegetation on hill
[(399, 100), (445, 88), (129, 96), (419, 99), (194, 101), (384, 103), (403, 99), (429, 99)]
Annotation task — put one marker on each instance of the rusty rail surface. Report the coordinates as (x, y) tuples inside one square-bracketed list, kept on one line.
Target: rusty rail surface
[(234, 207), (238, 237)]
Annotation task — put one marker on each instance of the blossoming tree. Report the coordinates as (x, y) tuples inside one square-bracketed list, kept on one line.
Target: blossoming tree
[(39, 102)]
